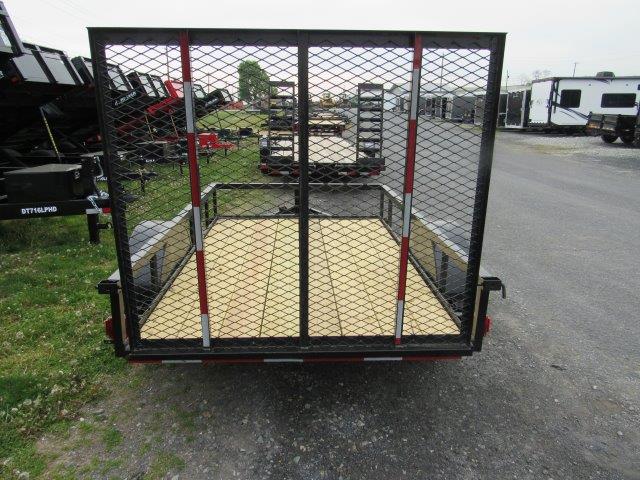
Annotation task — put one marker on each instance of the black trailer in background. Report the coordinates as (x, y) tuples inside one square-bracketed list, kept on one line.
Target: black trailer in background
[(517, 107), (43, 172), (611, 127)]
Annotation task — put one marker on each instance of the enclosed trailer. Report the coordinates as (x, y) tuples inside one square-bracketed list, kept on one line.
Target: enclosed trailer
[(228, 265), (461, 108), (564, 103), (516, 107)]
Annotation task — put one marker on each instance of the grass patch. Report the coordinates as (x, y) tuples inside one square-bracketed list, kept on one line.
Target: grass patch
[(52, 352), (170, 191), (111, 438), (233, 120), (186, 419), (164, 463)]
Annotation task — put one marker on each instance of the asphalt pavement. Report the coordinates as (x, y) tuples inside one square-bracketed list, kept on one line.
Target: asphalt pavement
[(555, 393)]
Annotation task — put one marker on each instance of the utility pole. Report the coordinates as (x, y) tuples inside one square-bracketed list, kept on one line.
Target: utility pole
[(574, 68)]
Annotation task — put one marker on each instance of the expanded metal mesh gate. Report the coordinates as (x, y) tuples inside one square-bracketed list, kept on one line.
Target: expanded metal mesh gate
[(297, 191)]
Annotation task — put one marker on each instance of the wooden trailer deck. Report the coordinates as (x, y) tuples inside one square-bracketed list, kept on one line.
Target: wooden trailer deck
[(252, 282), (329, 150)]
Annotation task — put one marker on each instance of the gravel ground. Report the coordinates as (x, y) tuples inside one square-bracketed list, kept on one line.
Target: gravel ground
[(592, 147), (555, 393)]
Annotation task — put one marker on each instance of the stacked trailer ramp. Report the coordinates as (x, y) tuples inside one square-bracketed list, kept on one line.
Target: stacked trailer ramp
[(227, 265), (329, 153)]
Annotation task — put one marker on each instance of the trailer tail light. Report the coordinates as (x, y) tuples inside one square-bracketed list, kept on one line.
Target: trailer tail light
[(108, 329), (487, 325)]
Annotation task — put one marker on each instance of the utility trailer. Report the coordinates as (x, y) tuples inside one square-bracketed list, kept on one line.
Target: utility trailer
[(612, 127), (329, 153), (564, 103), (230, 266)]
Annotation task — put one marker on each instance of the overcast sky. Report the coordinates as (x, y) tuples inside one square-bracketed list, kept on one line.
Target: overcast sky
[(542, 34)]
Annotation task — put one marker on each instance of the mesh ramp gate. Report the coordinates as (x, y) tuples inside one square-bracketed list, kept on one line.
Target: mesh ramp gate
[(292, 195)]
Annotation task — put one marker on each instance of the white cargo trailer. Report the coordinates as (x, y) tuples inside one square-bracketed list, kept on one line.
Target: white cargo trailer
[(564, 103)]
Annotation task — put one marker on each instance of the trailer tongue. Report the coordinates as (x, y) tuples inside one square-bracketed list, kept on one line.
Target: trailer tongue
[(227, 264)]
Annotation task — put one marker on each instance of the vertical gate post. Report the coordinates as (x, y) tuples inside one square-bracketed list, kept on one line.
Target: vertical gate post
[(409, 170), (303, 166), (194, 176), (483, 179)]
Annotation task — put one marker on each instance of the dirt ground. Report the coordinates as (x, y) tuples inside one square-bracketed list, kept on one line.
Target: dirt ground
[(555, 393)]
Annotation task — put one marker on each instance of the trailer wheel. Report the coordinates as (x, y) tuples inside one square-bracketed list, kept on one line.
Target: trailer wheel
[(608, 138), (628, 139)]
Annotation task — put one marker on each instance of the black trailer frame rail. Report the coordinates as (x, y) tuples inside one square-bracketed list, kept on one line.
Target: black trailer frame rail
[(430, 200), (58, 208)]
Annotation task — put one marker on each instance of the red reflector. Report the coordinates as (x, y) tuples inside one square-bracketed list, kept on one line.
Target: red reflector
[(487, 325), (108, 328), (106, 210)]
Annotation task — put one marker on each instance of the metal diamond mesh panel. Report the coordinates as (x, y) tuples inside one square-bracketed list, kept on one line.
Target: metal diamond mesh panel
[(445, 187), (358, 134), (264, 186)]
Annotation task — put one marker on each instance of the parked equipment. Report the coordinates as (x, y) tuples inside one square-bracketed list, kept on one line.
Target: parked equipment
[(231, 266), (43, 130), (564, 103), (612, 127)]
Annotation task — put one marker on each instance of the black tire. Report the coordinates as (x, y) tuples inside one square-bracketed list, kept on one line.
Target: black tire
[(628, 139), (609, 138)]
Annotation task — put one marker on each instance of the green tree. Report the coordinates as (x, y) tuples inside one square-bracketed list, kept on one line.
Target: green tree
[(253, 81)]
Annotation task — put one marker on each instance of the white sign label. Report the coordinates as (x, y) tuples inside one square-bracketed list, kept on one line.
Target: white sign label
[(39, 210)]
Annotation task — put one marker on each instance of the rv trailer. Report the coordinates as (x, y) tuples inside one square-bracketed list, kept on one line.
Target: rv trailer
[(564, 103)]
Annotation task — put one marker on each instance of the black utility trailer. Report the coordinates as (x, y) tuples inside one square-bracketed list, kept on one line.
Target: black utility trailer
[(40, 87), (611, 127), (229, 265)]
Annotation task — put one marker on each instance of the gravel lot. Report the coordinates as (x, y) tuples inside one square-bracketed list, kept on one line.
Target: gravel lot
[(555, 393)]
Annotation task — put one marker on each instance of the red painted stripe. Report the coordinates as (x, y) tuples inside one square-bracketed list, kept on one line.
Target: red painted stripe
[(404, 258), (202, 283), (411, 157), (184, 56), (194, 175), (417, 52)]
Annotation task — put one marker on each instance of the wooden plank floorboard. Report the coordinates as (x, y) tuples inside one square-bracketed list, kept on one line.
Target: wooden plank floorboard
[(252, 281)]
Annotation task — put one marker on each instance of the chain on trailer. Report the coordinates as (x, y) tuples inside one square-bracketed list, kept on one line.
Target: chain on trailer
[(303, 191)]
